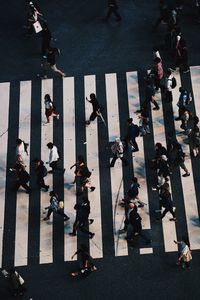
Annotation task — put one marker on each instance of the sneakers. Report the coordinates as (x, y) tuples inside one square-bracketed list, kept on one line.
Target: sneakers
[(57, 116), (186, 175), (173, 219)]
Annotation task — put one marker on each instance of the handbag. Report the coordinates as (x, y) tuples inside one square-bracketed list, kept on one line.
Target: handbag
[(187, 257), (37, 27), (21, 280)]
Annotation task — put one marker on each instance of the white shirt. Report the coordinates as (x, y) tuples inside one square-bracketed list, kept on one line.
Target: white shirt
[(20, 149), (169, 83), (53, 154)]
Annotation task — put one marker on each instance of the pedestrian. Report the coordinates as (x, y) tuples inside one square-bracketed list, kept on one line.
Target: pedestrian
[(184, 100), (143, 116), (133, 194), (131, 135), (95, 106), (51, 61), (194, 141), (166, 202), (184, 117), (185, 254), (112, 9), (83, 176), (46, 40), (164, 15), (22, 177), (85, 260), (50, 109), (118, 151), (157, 72), (163, 170), (177, 157), (54, 159), (41, 172), (150, 94), (135, 226), (159, 151), (16, 282), (82, 218), (170, 83), (55, 207)]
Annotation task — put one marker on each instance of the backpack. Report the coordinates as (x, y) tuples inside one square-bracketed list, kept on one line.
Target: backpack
[(174, 83)]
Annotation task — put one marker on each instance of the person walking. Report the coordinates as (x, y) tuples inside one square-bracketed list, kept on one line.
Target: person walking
[(46, 40), (55, 207), (112, 9), (85, 261), (185, 254), (95, 107), (169, 85), (50, 109), (133, 194), (82, 218), (135, 227), (22, 176), (118, 151), (16, 282), (53, 159), (166, 202), (21, 148), (131, 135), (150, 94), (157, 72), (41, 172), (82, 176), (177, 157), (51, 61), (184, 101), (194, 141)]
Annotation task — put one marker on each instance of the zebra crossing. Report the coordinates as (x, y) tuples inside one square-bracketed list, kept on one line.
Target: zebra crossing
[(26, 212)]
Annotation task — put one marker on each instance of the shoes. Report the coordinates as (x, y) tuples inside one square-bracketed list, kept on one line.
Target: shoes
[(156, 108), (91, 221), (122, 231), (72, 234), (28, 192), (87, 122), (173, 219), (186, 175), (57, 116), (46, 188), (63, 171), (92, 188), (186, 71), (50, 172), (66, 218), (177, 119), (141, 205), (92, 235), (45, 219)]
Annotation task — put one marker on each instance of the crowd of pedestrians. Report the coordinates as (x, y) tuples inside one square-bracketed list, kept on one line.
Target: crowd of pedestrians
[(165, 160)]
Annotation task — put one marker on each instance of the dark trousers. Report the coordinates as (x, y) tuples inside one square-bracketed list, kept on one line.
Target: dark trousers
[(131, 142), (60, 212), (23, 184), (50, 210), (113, 10), (115, 157), (93, 116), (54, 165), (168, 96), (41, 183), (166, 211), (82, 226)]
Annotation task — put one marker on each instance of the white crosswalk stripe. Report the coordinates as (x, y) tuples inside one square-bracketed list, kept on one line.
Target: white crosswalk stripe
[(91, 146)]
